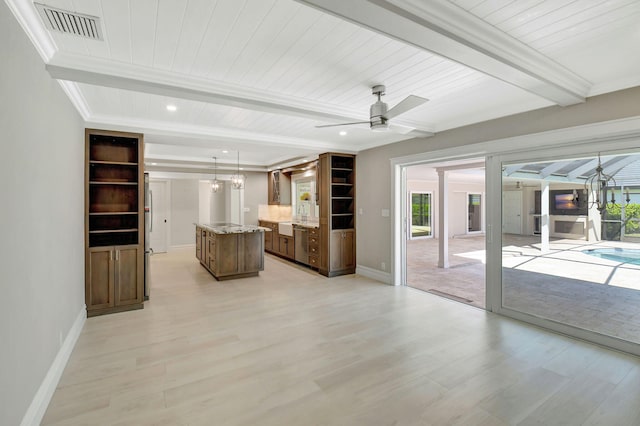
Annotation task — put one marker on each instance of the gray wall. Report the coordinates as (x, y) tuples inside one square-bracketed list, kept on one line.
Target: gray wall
[(373, 165), (184, 205), (255, 193), (41, 219)]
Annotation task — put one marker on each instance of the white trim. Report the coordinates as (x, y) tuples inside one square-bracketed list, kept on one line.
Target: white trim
[(76, 97), (374, 274), (41, 400), (181, 246)]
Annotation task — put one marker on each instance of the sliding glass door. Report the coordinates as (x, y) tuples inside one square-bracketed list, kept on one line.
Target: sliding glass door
[(572, 256)]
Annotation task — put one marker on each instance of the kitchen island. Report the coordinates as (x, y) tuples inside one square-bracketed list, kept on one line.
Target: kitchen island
[(230, 251)]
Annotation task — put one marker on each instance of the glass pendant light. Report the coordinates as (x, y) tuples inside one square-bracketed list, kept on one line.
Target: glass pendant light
[(237, 180), (215, 184)]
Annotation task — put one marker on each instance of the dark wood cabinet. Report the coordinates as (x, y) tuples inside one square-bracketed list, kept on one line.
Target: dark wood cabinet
[(286, 246), (279, 188), (114, 227), (337, 197), (233, 255), (270, 237)]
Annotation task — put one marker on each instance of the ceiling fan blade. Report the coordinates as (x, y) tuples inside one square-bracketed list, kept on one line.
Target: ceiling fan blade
[(400, 129), (342, 124), (408, 103)]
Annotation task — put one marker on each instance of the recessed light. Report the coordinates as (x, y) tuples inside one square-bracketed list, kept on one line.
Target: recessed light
[(241, 168), (154, 164), (171, 108), (225, 151), (343, 132)]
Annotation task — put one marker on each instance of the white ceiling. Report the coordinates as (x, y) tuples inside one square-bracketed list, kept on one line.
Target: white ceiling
[(257, 76)]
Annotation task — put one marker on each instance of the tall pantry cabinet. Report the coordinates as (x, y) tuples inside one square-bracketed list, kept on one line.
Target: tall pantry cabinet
[(114, 221), (336, 175)]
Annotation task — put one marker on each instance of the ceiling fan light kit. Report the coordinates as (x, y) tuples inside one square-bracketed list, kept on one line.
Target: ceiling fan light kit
[(380, 114)]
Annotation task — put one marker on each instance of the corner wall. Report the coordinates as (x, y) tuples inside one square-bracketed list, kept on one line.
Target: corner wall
[(41, 221)]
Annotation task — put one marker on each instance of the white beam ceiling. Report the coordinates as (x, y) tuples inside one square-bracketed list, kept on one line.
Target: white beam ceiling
[(449, 31)]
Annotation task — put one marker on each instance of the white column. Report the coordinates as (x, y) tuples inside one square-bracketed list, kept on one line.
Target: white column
[(443, 219), (544, 216)]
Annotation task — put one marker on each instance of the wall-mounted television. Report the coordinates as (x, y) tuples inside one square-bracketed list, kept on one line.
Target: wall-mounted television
[(568, 202)]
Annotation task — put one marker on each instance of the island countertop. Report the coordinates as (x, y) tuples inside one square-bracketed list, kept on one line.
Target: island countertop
[(231, 228)]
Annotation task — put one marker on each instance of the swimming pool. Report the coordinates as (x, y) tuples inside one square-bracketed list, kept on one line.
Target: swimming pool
[(617, 254)]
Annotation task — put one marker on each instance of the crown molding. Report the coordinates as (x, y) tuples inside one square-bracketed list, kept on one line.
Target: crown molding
[(76, 97), (445, 29), (29, 20)]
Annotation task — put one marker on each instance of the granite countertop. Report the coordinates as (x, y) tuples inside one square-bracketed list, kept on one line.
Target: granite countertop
[(306, 224), (231, 228)]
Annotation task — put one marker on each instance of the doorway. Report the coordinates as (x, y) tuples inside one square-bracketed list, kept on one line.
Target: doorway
[(444, 243), (159, 216)]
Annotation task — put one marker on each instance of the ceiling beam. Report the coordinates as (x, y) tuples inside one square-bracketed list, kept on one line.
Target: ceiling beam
[(101, 72), (552, 168), (445, 29)]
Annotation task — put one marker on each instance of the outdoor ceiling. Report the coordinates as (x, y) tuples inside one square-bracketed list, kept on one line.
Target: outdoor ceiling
[(257, 76), (625, 170)]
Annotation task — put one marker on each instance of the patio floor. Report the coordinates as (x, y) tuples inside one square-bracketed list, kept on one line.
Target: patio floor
[(564, 285)]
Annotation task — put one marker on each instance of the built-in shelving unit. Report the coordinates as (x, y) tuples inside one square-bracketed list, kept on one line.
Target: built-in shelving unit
[(114, 221), (337, 197)]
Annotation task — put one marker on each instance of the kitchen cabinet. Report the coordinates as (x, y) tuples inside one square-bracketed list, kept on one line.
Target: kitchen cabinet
[(113, 279), (279, 188), (114, 221), (341, 256), (286, 246), (337, 198), (270, 237), (233, 255), (314, 247)]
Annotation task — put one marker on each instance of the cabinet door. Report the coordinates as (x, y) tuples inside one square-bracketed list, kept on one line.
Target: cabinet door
[(100, 279), (227, 254), (348, 249), (342, 254), (128, 283), (286, 246)]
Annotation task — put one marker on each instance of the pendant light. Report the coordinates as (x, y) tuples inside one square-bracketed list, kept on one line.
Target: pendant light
[(215, 184), (237, 180), (598, 184)]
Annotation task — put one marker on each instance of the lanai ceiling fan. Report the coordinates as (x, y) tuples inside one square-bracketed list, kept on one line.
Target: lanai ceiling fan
[(379, 114)]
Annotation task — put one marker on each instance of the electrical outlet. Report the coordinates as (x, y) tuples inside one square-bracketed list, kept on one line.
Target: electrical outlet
[(383, 266)]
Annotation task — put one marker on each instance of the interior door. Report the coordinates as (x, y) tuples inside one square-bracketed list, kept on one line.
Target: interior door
[(159, 219), (512, 212)]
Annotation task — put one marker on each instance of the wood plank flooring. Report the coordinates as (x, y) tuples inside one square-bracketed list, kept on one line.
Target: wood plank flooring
[(291, 347)]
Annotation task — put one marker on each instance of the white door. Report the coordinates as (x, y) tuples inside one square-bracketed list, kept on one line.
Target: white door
[(159, 212), (512, 212)]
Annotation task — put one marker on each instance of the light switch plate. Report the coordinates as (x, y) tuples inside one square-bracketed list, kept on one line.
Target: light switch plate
[(385, 212)]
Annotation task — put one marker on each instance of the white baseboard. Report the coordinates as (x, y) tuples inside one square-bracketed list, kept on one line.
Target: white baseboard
[(182, 246), (41, 400), (374, 274)]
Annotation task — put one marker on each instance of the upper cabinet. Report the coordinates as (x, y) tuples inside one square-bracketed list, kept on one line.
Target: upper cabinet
[(279, 188)]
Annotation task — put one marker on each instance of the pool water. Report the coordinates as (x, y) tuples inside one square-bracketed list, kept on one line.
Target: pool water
[(618, 254)]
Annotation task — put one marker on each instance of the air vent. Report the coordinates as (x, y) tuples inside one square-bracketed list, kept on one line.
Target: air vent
[(70, 22)]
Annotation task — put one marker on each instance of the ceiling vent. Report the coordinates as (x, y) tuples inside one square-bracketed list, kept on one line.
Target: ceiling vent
[(70, 22)]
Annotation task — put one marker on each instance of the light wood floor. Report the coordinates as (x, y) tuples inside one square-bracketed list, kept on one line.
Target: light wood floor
[(294, 348)]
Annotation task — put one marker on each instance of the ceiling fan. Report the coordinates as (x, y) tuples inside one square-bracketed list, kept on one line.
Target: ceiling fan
[(379, 114)]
